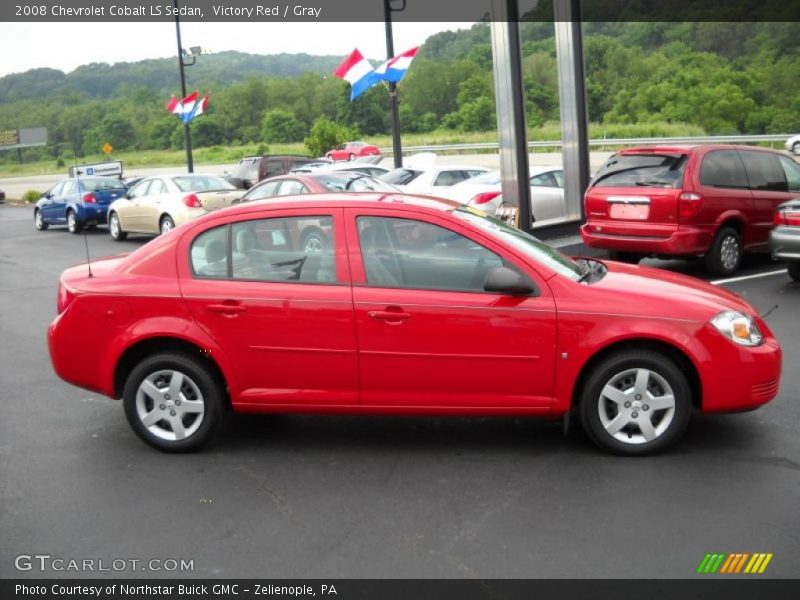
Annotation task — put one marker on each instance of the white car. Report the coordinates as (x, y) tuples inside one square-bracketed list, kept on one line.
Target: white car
[(431, 180), (484, 192), (374, 171), (793, 145), (158, 204)]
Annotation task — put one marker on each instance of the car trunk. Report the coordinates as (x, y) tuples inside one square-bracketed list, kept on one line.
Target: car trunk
[(106, 196), (637, 194), (213, 200)]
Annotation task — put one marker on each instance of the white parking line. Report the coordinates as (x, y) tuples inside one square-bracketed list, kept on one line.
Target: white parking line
[(745, 277)]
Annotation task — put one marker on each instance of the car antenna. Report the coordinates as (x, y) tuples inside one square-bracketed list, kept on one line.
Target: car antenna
[(78, 174)]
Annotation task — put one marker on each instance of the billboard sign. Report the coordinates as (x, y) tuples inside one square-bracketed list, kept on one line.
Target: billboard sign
[(23, 138), (107, 169)]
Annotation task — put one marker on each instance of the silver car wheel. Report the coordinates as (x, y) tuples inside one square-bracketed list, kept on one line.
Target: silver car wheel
[(796, 148), (72, 223), (170, 405), (166, 225), (636, 406), (729, 253), (38, 219), (113, 226)]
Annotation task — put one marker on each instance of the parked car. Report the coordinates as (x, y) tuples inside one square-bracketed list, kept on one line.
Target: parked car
[(484, 192), (354, 167), (419, 306), (253, 169), (431, 180), (77, 202), (784, 239), (316, 183), (716, 201), (793, 145), (352, 151), (159, 204)]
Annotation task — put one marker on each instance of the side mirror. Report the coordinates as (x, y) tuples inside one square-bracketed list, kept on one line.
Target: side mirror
[(507, 281)]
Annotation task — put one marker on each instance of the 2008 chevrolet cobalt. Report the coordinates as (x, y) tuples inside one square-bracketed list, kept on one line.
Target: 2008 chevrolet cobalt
[(407, 305)]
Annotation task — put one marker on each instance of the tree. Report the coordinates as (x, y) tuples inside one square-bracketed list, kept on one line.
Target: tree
[(282, 126), (325, 135), (207, 131)]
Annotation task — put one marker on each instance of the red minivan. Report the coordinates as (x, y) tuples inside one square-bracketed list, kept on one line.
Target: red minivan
[(715, 200)]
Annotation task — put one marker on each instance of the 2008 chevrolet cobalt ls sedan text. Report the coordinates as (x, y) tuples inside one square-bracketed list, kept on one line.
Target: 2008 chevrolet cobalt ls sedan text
[(415, 306)]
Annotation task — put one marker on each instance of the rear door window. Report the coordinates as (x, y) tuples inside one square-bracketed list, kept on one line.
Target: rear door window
[(792, 171), (274, 167), (764, 171), (642, 170), (290, 187), (448, 178), (544, 180), (723, 169), (400, 176), (266, 190)]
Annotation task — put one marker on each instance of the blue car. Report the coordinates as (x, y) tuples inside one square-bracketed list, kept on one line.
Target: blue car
[(77, 202)]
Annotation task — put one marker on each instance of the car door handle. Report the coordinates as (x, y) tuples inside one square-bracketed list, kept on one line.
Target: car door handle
[(226, 308), (388, 315)]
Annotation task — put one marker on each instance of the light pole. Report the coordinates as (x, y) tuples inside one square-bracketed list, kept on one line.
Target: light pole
[(387, 17), (182, 55)]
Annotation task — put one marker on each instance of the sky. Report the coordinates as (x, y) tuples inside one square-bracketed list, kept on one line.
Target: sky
[(26, 46)]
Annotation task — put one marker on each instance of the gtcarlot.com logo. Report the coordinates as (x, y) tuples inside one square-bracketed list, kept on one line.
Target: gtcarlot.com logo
[(735, 563)]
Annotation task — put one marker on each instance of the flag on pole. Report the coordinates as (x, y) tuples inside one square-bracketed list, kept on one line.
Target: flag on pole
[(188, 108), (394, 69), (356, 70)]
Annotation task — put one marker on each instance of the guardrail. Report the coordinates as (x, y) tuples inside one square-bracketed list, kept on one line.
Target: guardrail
[(613, 142)]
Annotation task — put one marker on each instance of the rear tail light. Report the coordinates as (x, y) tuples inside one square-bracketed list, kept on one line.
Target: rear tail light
[(689, 204), (192, 201), (484, 197), (65, 296), (89, 198), (787, 217)]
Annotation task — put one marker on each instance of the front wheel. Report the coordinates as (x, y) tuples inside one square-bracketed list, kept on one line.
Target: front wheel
[(73, 225), (725, 254), (794, 270), (635, 402), (166, 225), (38, 220), (115, 228), (173, 402)]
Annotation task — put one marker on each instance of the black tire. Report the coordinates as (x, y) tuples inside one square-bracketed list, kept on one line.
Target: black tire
[(724, 257), (38, 221), (73, 225), (115, 228), (352, 157), (621, 367), (625, 257), (317, 239), (794, 270), (796, 149), (166, 224), (195, 372)]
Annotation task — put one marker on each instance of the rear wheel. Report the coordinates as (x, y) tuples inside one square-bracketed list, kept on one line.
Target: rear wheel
[(794, 270), (725, 254), (635, 402), (38, 220), (173, 402), (115, 228), (796, 148), (73, 225), (166, 225), (352, 157), (626, 257)]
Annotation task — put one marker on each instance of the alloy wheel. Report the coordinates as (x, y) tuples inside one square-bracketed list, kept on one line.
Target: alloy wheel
[(636, 406), (730, 253), (166, 225), (170, 405)]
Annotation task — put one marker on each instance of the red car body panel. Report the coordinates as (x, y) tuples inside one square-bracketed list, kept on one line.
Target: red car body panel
[(664, 231), (352, 149), (342, 347)]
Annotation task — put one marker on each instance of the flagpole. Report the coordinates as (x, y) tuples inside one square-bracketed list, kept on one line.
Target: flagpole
[(396, 147), (187, 134)]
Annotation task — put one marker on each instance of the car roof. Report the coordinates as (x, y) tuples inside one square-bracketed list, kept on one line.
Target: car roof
[(344, 200), (687, 148)]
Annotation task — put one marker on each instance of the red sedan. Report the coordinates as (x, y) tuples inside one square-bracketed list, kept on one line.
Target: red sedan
[(352, 150), (418, 306)]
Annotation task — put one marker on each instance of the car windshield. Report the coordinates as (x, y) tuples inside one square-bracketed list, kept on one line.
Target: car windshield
[(642, 170), (96, 184), (521, 241), (400, 176), (201, 183), (353, 182)]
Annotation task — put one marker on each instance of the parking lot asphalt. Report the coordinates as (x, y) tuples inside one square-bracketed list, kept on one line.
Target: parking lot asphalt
[(325, 497)]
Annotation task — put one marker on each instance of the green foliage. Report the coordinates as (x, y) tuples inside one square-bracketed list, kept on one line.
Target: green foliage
[(325, 135), (280, 125), (31, 196)]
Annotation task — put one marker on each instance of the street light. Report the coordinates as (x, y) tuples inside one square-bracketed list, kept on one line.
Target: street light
[(186, 58), (390, 6)]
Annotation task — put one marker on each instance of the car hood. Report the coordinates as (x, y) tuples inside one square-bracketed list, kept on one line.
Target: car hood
[(658, 293)]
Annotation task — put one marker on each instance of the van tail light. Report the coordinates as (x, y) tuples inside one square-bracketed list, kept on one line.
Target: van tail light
[(192, 201), (787, 217), (89, 198), (689, 204), (484, 197), (65, 296)]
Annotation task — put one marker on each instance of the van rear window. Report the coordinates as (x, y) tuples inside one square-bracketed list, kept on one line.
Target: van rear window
[(642, 170)]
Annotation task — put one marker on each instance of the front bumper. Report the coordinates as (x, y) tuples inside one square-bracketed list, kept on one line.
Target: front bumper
[(784, 243)]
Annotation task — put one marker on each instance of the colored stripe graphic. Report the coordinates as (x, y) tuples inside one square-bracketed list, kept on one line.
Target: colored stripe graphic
[(727, 564), (733, 563), (765, 563), (741, 562), (702, 567)]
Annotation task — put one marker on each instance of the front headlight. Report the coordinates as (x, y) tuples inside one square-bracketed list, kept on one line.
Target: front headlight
[(738, 327)]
